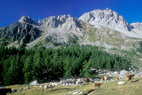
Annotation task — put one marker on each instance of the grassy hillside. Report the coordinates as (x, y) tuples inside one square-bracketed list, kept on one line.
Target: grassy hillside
[(110, 88)]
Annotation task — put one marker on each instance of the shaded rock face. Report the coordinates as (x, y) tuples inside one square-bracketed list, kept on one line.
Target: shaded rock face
[(21, 32)]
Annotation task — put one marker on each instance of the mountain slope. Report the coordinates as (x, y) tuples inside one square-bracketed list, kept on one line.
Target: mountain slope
[(110, 19), (137, 25), (137, 28), (19, 32), (104, 28)]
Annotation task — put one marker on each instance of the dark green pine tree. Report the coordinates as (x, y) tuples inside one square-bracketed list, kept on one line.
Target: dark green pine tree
[(108, 64), (27, 70), (86, 69), (67, 67), (46, 67), (5, 69), (1, 71), (37, 66), (11, 77)]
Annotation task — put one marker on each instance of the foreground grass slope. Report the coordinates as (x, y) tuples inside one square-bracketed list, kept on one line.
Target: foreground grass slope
[(110, 88), (115, 89)]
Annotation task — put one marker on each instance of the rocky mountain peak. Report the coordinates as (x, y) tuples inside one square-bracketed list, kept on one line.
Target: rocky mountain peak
[(63, 17), (27, 19), (53, 19), (107, 18), (62, 21)]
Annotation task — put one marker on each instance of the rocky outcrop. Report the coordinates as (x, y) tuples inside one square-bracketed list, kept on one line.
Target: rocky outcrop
[(137, 25), (27, 19)]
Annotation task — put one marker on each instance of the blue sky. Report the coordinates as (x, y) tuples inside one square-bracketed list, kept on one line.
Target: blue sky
[(12, 10)]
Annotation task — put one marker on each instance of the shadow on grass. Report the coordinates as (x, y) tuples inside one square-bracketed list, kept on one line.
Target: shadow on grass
[(89, 91), (53, 90)]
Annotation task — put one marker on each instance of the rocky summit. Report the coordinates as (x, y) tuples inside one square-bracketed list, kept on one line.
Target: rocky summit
[(104, 28)]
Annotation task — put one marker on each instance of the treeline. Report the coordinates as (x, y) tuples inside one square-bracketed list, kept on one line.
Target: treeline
[(18, 66)]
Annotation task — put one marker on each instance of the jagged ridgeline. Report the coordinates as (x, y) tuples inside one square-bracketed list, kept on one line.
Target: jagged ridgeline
[(18, 66), (104, 28)]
